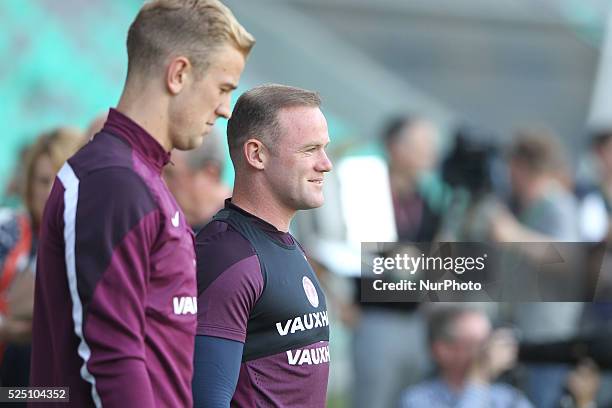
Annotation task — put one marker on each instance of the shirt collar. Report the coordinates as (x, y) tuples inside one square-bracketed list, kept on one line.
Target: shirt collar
[(230, 205), (284, 237), (139, 139)]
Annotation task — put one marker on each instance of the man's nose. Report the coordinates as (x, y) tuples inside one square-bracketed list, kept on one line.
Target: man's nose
[(223, 109), (325, 164)]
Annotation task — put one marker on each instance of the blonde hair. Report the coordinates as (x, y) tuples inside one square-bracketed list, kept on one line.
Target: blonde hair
[(193, 28), (58, 144)]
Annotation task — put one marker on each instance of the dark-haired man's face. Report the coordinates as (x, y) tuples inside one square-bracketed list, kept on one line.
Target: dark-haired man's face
[(298, 162), (205, 98)]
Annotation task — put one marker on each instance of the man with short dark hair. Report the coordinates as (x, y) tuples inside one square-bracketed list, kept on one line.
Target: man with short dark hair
[(115, 302), (262, 336)]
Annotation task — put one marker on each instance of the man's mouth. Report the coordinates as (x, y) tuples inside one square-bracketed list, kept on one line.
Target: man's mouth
[(316, 181)]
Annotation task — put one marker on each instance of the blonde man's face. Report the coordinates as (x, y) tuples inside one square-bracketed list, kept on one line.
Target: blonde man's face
[(205, 99)]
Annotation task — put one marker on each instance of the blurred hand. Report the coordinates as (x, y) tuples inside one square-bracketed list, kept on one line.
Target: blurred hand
[(504, 226), (583, 383), (498, 355)]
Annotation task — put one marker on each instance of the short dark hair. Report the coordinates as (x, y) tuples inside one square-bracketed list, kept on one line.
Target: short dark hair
[(394, 127), (256, 113)]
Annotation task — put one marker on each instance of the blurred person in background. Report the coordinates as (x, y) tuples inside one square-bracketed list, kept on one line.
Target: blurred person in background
[(386, 364), (13, 194), (546, 211), (583, 385), (601, 146), (544, 206), (596, 193), (194, 178), (469, 357), (18, 250), (595, 213), (417, 191)]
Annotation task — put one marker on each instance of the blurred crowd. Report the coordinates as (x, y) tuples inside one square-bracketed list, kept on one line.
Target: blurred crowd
[(546, 354), (542, 354)]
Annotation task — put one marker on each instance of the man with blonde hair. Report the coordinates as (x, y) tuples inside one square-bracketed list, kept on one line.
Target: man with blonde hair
[(115, 302)]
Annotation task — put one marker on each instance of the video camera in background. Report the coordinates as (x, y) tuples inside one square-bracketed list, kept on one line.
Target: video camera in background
[(474, 163), (475, 170), (595, 345)]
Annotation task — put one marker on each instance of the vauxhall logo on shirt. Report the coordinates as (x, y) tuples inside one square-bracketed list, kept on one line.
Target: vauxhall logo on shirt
[(185, 305), (308, 321), (317, 355), (302, 323)]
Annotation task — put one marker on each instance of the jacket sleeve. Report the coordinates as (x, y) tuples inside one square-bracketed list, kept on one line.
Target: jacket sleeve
[(116, 222)]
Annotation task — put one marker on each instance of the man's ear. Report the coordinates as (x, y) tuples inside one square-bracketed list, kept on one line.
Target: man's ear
[(178, 73), (254, 153)]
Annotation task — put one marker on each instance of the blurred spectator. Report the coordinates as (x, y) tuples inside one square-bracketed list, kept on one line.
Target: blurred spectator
[(12, 194), (602, 147), (385, 364), (18, 250), (595, 213), (417, 193), (546, 211), (15, 246), (596, 194), (469, 357), (194, 178)]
